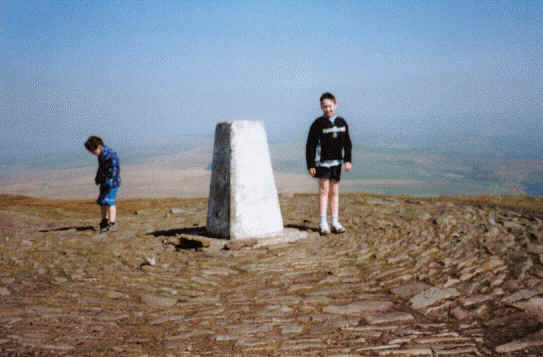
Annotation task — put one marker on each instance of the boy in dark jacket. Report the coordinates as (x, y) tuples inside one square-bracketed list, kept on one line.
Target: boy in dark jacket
[(109, 179), (328, 146)]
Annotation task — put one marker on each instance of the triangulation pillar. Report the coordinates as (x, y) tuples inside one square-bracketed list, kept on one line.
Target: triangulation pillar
[(243, 201)]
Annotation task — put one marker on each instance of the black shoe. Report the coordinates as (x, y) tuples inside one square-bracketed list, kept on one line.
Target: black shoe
[(112, 227), (104, 225)]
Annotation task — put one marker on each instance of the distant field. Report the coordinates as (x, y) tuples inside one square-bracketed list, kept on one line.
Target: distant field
[(384, 171)]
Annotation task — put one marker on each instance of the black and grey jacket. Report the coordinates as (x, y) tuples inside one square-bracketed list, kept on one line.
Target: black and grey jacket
[(333, 138)]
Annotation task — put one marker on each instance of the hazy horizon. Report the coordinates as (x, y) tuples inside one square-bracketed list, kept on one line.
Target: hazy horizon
[(137, 71), (462, 79)]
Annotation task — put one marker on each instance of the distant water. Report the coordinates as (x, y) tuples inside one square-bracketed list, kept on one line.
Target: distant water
[(535, 189)]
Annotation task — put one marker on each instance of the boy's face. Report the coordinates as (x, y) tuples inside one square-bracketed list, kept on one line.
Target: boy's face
[(97, 151), (328, 107)]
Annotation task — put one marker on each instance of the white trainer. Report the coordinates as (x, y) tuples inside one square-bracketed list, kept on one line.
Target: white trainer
[(337, 228), (324, 229)]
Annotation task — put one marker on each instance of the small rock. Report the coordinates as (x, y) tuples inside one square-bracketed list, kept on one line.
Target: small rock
[(425, 216), (451, 282), (481, 310), (114, 295), (460, 314), (59, 280), (177, 210), (534, 248), (4, 291)]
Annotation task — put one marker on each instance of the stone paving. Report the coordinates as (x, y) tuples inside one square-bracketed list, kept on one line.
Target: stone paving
[(411, 277)]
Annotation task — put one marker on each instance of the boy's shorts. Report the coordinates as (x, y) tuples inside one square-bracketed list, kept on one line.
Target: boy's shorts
[(332, 173), (107, 196)]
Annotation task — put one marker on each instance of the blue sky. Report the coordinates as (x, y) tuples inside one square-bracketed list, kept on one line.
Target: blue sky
[(143, 70)]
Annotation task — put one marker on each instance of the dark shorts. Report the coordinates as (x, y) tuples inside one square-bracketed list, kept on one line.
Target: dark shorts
[(332, 173), (107, 196)]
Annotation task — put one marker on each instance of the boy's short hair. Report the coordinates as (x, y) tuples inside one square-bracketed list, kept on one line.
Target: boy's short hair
[(327, 95), (93, 142)]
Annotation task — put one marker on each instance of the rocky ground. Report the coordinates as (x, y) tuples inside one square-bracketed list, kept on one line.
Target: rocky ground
[(411, 277)]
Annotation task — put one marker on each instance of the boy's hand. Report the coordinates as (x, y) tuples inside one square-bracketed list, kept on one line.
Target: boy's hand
[(348, 166), (312, 171)]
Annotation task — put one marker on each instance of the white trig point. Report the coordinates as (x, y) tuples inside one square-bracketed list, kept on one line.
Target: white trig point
[(243, 201)]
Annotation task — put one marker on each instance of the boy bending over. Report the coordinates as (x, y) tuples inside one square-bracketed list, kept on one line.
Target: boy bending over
[(109, 179)]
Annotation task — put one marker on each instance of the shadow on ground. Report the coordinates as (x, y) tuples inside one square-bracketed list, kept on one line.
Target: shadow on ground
[(302, 228), (187, 242), (200, 231), (62, 229)]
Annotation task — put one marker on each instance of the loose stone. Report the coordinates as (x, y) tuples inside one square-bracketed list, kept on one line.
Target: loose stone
[(431, 296)]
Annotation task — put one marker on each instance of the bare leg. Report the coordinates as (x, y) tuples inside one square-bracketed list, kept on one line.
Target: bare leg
[(324, 185), (103, 210), (334, 197), (112, 213)]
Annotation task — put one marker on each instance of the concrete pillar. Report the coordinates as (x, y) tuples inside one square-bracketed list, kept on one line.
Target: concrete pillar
[(243, 201)]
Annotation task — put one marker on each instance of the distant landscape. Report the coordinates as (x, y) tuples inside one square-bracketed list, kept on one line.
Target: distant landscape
[(180, 167)]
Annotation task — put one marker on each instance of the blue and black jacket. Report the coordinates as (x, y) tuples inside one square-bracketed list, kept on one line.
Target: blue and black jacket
[(109, 170)]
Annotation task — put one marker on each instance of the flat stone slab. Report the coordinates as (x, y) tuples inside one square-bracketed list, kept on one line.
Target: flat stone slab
[(533, 306), (411, 289), (286, 236), (431, 296), (359, 308), (532, 340), (391, 317), (159, 300)]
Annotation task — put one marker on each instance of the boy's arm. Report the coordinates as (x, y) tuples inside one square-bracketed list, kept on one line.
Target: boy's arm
[(348, 146), (97, 177), (311, 147)]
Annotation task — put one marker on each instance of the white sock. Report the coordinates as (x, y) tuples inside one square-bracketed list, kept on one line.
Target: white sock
[(335, 220), (324, 221)]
